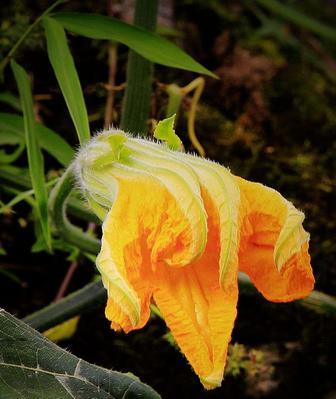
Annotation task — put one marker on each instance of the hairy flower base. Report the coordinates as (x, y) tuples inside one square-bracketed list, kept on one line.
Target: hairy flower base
[(177, 229)]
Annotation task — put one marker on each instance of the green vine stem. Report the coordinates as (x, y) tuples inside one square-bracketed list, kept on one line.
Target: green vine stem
[(74, 205), (58, 206), (94, 294), (78, 302), (175, 97), (316, 301)]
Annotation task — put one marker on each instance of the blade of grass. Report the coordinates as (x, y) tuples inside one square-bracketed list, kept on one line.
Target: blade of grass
[(64, 67), (298, 18), (12, 125), (148, 44), (22, 196), (12, 177), (13, 156), (8, 98), (35, 158)]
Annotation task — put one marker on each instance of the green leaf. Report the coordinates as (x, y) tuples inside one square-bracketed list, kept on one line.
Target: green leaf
[(150, 45), (12, 157), (13, 176), (165, 131), (298, 18), (21, 196), (67, 77), (12, 132), (10, 99), (35, 158), (11, 276), (33, 367)]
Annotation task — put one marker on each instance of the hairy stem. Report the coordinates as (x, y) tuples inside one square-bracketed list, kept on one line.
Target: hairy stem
[(78, 302), (58, 205)]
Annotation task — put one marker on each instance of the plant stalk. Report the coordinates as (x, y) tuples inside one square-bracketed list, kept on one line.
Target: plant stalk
[(75, 206), (94, 294), (58, 205), (137, 100), (78, 302)]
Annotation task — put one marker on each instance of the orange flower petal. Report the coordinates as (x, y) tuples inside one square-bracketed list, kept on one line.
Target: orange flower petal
[(198, 312), (274, 245), (141, 232)]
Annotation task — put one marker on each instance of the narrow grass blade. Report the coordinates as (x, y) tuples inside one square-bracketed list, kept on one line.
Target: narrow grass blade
[(298, 18), (67, 77), (12, 132), (35, 158), (11, 100), (150, 45)]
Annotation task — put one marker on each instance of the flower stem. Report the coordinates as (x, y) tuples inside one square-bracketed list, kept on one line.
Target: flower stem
[(175, 97), (58, 205), (76, 303), (197, 85), (94, 294)]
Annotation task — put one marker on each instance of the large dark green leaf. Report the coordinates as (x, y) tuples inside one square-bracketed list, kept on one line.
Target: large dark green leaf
[(150, 45), (32, 367), (67, 77), (35, 158), (12, 132)]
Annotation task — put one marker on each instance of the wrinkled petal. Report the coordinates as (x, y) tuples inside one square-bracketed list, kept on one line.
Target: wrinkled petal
[(182, 183), (274, 245), (198, 312), (224, 192), (141, 233)]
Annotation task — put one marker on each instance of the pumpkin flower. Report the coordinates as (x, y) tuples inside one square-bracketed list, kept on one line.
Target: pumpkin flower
[(176, 231)]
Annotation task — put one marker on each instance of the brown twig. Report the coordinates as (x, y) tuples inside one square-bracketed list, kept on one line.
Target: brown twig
[(66, 281), (112, 62), (72, 268)]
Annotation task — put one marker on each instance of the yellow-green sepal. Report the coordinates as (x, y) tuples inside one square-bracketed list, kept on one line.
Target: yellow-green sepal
[(165, 131)]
